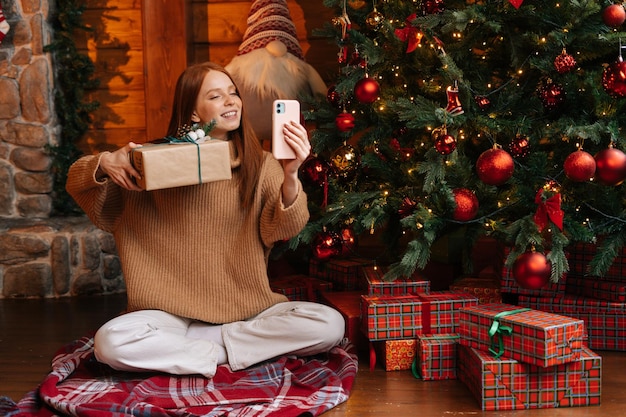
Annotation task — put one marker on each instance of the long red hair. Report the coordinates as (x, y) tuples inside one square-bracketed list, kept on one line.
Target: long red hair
[(246, 143)]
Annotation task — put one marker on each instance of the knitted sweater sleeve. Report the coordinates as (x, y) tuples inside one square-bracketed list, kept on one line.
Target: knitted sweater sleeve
[(101, 199), (277, 221)]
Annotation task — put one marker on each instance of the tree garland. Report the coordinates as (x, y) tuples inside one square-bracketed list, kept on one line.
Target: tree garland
[(74, 76)]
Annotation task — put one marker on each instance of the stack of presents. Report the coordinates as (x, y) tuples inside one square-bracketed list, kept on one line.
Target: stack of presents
[(535, 349)]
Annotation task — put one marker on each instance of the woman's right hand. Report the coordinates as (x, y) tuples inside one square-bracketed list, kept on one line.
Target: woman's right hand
[(116, 165)]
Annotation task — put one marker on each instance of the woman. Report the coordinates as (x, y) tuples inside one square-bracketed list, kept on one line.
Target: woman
[(195, 258)]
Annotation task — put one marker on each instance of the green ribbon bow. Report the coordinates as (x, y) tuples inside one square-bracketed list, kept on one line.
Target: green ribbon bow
[(498, 330)]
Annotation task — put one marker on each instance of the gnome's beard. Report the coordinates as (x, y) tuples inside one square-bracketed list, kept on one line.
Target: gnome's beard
[(270, 77)]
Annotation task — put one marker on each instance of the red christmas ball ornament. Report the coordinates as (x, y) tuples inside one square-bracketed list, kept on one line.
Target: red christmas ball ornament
[(610, 166), (407, 207), (333, 97), (552, 95), (579, 166), (466, 204), (344, 122), (531, 270), (614, 79), (326, 245), (432, 7), (495, 166), (483, 102), (367, 90), (315, 171), (445, 144), (520, 146), (614, 15), (564, 62)]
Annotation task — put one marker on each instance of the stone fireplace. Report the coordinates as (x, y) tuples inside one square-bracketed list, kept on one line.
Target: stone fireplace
[(40, 255)]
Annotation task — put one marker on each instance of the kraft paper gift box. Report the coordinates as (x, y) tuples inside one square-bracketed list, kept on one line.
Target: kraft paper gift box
[(605, 327), (487, 290), (506, 384), (377, 285), (398, 355), (436, 357), (531, 336), (596, 287), (407, 316), (345, 274), (168, 165), (300, 287)]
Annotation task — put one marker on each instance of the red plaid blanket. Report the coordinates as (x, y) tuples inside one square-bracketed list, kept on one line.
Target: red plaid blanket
[(80, 386)]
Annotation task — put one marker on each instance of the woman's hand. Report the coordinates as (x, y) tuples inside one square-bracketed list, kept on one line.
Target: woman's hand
[(297, 138), (116, 165)]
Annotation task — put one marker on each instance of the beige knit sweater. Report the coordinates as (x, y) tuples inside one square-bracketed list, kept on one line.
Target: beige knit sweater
[(193, 251)]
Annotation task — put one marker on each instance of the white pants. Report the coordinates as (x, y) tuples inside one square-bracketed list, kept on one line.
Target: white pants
[(153, 340)]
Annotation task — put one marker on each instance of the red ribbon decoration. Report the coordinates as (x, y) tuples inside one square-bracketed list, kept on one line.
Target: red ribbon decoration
[(410, 33), (516, 3), (550, 209)]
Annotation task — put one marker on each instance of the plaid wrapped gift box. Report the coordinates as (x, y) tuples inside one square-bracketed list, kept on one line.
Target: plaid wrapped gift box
[(398, 355), (596, 287), (532, 336), (300, 287), (376, 285), (606, 328), (581, 254), (487, 290), (407, 316), (506, 384), (345, 274), (509, 285), (436, 357)]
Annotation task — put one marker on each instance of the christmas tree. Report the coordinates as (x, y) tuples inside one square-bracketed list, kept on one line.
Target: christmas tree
[(493, 118)]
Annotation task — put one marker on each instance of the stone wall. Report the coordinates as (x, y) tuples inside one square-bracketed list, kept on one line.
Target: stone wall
[(40, 256)]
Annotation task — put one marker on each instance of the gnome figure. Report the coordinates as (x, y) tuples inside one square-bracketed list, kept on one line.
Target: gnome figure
[(270, 65)]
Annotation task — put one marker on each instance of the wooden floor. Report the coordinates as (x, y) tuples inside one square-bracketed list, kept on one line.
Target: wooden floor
[(32, 330)]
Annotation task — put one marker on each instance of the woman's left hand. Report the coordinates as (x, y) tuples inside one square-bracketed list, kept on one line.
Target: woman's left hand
[(297, 138)]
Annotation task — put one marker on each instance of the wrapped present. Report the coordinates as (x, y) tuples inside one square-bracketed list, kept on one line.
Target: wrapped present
[(398, 355), (348, 303), (168, 165), (510, 286), (436, 357), (605, 327), (596, 287), (487, 290), (407, 316), (507, 384), (345, 274), (377, 285), (581, 254), (571, 304), (527, 335), (300, 287)]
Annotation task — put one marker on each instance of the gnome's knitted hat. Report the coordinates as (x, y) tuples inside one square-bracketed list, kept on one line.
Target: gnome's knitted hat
[(270, 20)]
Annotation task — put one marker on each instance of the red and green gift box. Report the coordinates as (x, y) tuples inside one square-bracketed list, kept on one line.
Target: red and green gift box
[(407, 316), (378, 285), (507, 384), (300, 287), (487, 290), (348, 303), (596, 287), (397, 355), (531, 336), (346, 274), (605, 321), (436, 357), (581, 254)]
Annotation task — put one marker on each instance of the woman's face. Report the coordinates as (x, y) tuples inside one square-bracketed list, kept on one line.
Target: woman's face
[(218, 100)]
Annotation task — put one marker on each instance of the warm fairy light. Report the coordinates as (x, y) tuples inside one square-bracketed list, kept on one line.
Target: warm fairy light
[(520, 71), (542, 40)]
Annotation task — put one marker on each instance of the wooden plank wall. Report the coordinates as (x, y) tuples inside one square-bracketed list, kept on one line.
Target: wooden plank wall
[(121, 56)]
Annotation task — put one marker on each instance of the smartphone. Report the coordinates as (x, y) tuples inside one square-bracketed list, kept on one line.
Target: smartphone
[(284, 111)]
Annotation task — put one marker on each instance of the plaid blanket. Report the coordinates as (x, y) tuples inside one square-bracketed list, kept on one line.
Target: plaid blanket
[(80, 386)]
